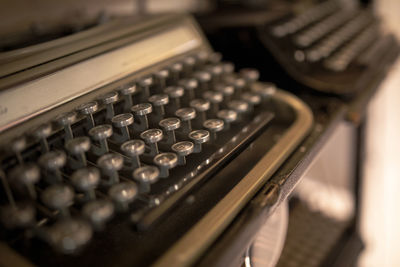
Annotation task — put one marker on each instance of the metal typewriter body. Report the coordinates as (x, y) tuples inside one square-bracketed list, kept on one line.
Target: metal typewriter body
[(164, 215)]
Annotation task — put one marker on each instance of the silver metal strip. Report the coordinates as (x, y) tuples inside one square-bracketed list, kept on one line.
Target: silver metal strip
[(190, 247), (21, 103)]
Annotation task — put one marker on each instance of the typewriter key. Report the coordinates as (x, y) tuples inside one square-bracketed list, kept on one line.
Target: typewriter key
[(227, 68), (58, 197), (123, 194), (252, 99), (52, 162), (227, 92), (186, 115), (19, 215), (240, 106), (110, 164), (170, 125), (77, 148), (216, 73), (98, 212), (199, 137), (204, 79), (126, 92), (100, 134), (176, 72), (41, 133), (161, 78), (175, 94), (250, 75), (183, 149), (27, 174), (140, 111), (145, 84), (122, 122), (190, 85), (215, 57), (88, 109), (65, 120), (152, 137), (214, 126), (18, 145), (146, 176), (133, 149), (165, 161), (109, 99), (159, 101), (201, 106), (86, 180), (228, 116), (188, 65), (215, 98)]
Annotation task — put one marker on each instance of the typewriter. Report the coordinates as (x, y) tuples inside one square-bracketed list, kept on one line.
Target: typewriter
[(133, 143), (334, 47)]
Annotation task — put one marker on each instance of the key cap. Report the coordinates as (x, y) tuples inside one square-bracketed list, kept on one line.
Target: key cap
[(110, 164), (204, 79), (216, 73), (145, 83), (133, 149), (140, 111), (58, 197), (182, 149), (190, 85), (250, 75), (18, 145), (175, 94), (123, 194), (170, 125), (201, 106), (152, 137), (241, 107), (88, 109), (100, 134), (122, 122), (52, 162), (161, 79), (252, 99), (264, 90), (146, 176), (227, 68), (214, 126), (41, 134), (175, 72), (227, 92), (188, 65), (127, 92), (28, 174), (215, 57), (109, 99), (215, 98), (69, 235), (199, 137), (20, 215), (186, 115), (98, 212), (228, 116), (202, 57), (86, 180), (159, 101), (66, 120), (165, 161), (77, 148)]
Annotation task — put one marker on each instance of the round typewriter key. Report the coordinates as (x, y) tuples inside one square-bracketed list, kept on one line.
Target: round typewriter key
[(152, 137), (250, 75), (77, 148), (88, 109), (202, 57), (204, 79), (123, 194), (86, 180), (190, 85), (165, 161), (228, 116), (145, 84), (100, 134), (161, 77), (175, 94), (69, 235), (215, 57), (126, 92), (188, 65), (159, 101), (27, 174), (170, 125), (52, 162), (215, 98), (65, 120), (109, 99), (122, 122), (227, 68), (240, 106), (141, 111), (199, 137), (186, 115), (201, 106), (146, 176), (265, 91), (59, 197), (183, 149), (98, 212), (176, 72), (110, 164), (133, 149), (251, 98), (227, 91), (18, 145), (214, 126), (216, 73), (19, 215), (41, 133)]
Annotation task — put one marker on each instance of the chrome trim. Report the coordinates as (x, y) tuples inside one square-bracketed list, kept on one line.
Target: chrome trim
[(195, 242)]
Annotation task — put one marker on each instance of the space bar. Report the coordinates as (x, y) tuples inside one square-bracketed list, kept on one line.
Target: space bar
[(227, 152)]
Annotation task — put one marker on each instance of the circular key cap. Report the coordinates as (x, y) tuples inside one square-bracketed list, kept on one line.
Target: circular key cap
[(27, 174), (190, 85), (123, 194), (65, 120), (186, 114), (53, 160), (199, 137), (165, 161), (183, 149), (250, 75), (228, 116), (78, 145), (146, 176), (214, 126), (18, 145), (174, 91), (20, 215), (200, 105), (159, 100), (239, 106), (111, 162), (98, 212), (133, 149), (170, 124), (58, 197), (122, 120), (86, 180), (126, 92), (88, 108), (152, 136), (69, 236), (142, 109), (41, 133), (101, 132), (109, 98)]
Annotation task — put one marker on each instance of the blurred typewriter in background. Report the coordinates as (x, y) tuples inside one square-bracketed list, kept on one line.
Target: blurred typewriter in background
[(132, 142), (336, 47)]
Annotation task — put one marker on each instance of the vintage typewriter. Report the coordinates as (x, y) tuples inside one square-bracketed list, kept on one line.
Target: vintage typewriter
[(133, 143), (335, 47)]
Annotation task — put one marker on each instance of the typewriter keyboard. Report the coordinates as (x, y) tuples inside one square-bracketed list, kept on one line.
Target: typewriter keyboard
[(126, 152)]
